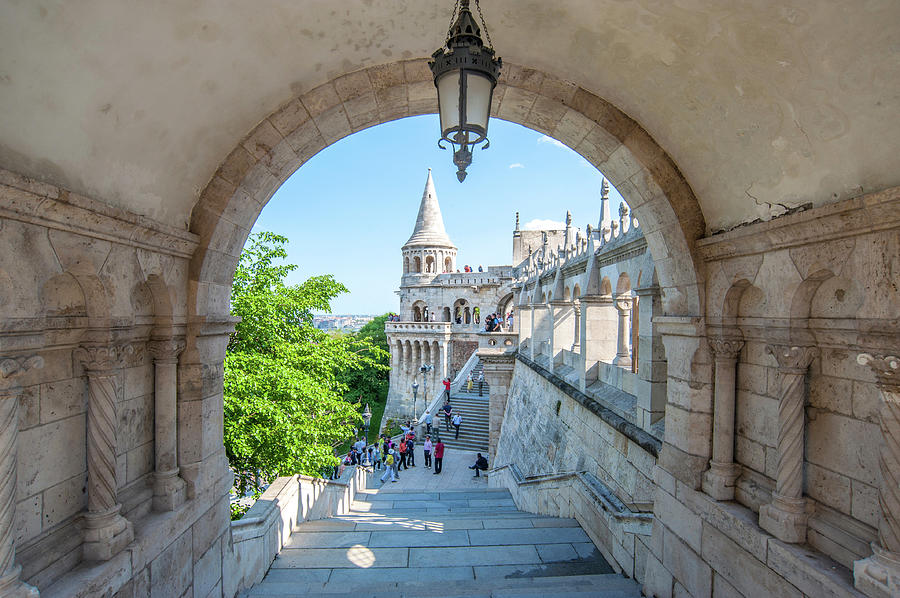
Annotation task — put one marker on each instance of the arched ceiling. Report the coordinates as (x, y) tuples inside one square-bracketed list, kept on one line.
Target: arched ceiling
[(759, 105)]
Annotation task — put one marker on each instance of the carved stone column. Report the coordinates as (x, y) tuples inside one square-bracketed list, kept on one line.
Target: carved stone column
[(879, 574), (10, 585), (106, 531), (168, 487), (718, 482), (576, 345), (785, 516), (623, 355), (561, 330)]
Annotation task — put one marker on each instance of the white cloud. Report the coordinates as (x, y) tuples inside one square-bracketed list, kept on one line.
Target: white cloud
[(517, 165), (552, 141), (539, 224)]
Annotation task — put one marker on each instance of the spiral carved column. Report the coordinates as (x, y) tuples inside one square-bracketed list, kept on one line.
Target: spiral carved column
[(785, 517), (10, 585), (718, 482), (879, 574), (168, 487), (106, 531)]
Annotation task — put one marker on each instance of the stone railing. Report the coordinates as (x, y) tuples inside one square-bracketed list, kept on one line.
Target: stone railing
[(417, 327), (610, 524), (262, 532)]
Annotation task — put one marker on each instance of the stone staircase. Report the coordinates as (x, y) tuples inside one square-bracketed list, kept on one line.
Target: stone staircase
[(474, 432), (415, 543)]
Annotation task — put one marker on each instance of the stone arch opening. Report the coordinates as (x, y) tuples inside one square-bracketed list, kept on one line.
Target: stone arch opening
[(649, 180), (417, 265)]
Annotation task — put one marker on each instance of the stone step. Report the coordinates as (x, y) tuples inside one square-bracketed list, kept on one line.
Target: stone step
[(431, 582), (441, 523), (394, 536), (377, 494)]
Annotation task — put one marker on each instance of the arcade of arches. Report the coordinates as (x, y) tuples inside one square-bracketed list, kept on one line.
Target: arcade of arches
[(758, 146)]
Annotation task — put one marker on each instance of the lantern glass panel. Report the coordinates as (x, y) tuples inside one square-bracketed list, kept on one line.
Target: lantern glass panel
[(478, 99), (448, 99)]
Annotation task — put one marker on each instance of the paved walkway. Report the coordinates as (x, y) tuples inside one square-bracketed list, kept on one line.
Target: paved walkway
[(440, 536), (455, 473)]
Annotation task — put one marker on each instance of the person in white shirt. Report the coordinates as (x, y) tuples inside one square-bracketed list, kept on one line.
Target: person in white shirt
[(457, 422)]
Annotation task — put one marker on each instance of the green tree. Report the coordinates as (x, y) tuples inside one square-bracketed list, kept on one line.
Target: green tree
[(284, 380), (369, 384)]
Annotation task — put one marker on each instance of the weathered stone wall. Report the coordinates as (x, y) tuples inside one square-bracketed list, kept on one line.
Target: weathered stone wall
[(460, 351), (791, 304), (542, 440), (550, 429), (100, 295)]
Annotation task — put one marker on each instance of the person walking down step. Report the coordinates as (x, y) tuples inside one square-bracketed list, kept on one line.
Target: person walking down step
[(428, 419), (480, 383), (457, 422), (481, 464), (448, 414), (426, 448), (438, 457), (388, 468)]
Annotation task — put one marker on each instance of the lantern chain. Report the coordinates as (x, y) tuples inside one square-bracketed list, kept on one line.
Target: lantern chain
[(483, 24), (452, 17)]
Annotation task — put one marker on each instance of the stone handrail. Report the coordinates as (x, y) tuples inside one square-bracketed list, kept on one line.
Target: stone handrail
[(595, 498), (262, 532)]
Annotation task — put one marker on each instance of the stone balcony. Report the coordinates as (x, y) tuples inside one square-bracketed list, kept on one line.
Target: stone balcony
[(417, 327)]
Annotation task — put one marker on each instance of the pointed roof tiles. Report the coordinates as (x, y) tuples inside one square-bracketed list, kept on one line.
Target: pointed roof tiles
[(429, 230)]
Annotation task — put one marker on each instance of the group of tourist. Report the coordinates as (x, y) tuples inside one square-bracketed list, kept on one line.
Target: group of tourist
[(468, 268), (402, 455), (494, 322), (393, 318)]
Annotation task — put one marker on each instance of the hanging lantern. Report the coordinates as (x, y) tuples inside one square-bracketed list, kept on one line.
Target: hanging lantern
[(465, 74)]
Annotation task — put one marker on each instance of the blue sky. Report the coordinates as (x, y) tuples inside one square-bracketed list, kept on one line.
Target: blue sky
[(350, 208)]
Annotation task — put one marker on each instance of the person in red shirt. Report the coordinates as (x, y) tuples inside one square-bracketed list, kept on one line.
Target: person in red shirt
[(438, 456), (447, 387)]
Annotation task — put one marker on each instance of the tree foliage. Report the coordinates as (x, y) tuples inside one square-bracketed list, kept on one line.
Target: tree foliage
[(285, 381), (369, 384)]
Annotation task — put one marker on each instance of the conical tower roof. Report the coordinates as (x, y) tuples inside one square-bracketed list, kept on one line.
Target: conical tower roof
[(429, 230)]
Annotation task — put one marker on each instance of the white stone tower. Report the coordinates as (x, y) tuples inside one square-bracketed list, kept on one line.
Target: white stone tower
[(429, 251)]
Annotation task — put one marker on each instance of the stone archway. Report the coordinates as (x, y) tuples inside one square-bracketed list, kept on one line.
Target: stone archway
[(230, 203), (641, 170)]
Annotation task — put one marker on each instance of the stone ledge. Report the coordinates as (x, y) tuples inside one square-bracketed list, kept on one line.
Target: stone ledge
[(44, 205), (865, 214), (640, 437)]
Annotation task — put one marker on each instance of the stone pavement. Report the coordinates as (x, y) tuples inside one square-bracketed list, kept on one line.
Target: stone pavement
[(440, 536), (455, 473)]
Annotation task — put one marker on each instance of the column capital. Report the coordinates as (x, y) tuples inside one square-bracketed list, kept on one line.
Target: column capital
[(887, 371), (100, 358), (623, 303), (793, 359), (725, 348), (13, 367), (166, 350)]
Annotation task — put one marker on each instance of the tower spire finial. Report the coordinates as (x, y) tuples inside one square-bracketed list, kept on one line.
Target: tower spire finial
[(605, 219), (517, 222)]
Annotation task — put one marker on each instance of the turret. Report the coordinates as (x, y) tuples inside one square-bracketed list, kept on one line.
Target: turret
[(429, 251)]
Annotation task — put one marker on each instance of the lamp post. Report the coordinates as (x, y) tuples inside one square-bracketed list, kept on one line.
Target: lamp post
[(465, 74), (367, 419)]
